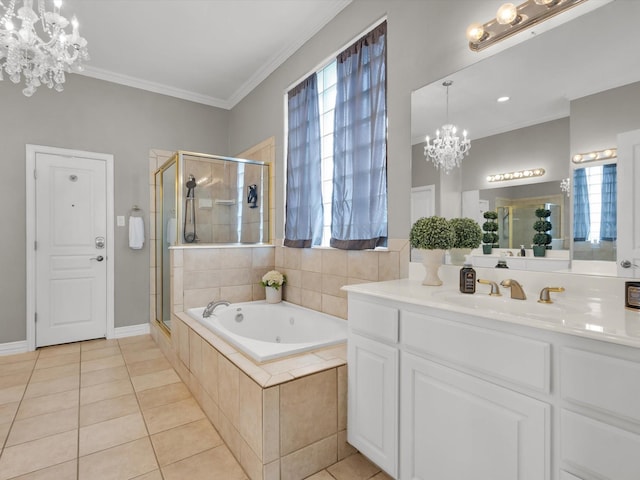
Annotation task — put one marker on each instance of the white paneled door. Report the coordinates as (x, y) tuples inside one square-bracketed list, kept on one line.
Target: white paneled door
[(70, 249), (628, 224)]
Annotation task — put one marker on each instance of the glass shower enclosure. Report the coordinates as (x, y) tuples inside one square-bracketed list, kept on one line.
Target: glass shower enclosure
[(205, 199)]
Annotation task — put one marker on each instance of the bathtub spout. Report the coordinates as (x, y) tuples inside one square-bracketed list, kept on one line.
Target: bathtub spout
[(212, 306)]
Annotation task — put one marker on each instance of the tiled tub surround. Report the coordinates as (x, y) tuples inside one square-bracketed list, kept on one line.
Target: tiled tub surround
[(284, 419), (315, 276)]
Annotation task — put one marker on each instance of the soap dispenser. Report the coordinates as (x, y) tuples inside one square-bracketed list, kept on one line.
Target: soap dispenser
[(523, 252), (467, 278)]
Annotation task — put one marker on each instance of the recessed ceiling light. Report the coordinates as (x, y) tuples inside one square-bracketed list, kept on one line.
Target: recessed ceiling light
[(503, 99)]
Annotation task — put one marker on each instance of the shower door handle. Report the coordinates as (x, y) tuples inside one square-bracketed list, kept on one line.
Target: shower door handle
[(98, 258)]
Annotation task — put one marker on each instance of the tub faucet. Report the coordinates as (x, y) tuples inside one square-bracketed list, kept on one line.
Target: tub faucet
[(495, 289), (516, 289), (208, 310), (544, 294)]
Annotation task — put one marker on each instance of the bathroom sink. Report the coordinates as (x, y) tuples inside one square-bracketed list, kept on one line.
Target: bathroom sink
[(529, 308)]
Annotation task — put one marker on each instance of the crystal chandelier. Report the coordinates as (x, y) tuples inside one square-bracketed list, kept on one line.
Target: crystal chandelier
[(565, 186), (38, 47), (447, 149)]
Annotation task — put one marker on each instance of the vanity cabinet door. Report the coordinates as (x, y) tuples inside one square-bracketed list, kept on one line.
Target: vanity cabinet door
[(455, 426), (373, 401)]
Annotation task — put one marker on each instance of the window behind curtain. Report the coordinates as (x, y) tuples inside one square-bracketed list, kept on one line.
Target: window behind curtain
[(326, 99)]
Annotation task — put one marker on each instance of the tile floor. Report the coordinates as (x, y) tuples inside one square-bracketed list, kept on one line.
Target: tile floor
[(114, 409)]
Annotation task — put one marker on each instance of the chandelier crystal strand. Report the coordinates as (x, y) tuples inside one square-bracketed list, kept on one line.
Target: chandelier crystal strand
[(447, 150), (36, 46)]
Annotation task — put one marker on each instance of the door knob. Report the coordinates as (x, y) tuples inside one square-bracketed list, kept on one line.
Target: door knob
[(627, 264), (98, 258)]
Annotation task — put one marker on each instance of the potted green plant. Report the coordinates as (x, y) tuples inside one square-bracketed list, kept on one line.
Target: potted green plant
[(542, 239), (432, 236), (490, 236), (468, 236)]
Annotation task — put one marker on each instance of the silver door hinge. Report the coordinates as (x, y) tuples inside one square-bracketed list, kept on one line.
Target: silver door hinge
[(35, 174)]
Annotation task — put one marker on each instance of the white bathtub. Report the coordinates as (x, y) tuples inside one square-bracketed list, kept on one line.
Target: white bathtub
[(268, 331)]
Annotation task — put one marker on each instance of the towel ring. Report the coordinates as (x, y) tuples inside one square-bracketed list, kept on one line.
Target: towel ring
[(135, 211)]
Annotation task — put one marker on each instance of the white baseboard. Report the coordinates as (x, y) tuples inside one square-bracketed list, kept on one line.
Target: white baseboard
[(132, 330), (13, 347)]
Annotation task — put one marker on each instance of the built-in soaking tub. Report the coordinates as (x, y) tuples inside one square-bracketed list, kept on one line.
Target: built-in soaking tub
[(266, 331)]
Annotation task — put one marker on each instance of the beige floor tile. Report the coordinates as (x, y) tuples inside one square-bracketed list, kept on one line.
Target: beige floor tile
[(156, 397), (18, 357), (172, 415), (215, 463), (136, 356), (382, 476), (102, 363), (155, 475), (51, 373), (17, 367), (98, 344), (107, 409), (4, 432), (38, 454), (125, 461), (105, 375), (103, 391), (12, 394), (63, 471), (40, 426), (184, 441), (8, 412), (322, 475), (59, 350), (14, 379), (156, 379), (97, 353), (55, 402), (62, 384), (148, 366), (355, 467), (134, 339), (111, 433), (58, 360), (139, 345)]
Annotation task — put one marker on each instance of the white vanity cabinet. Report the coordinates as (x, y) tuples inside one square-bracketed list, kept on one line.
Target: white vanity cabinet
[(600, 414), (373, 382), (455, 421)]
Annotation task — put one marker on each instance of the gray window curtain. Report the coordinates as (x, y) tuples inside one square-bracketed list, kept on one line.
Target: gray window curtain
[(581, 210), (609, 216), (359, 202), (303, 222)]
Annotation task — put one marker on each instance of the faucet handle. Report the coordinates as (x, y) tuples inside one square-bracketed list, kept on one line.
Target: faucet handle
[(544, 294), (495, 289)]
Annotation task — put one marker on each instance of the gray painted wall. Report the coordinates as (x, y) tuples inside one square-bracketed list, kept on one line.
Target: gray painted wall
[(95, 116)]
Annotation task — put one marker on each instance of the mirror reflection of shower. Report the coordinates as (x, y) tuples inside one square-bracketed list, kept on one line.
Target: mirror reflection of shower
[(189, 227)]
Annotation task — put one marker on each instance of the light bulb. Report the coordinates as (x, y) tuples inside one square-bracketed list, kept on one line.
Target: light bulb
[(506, 14), (543, 2), (475, 32), (57, 3)]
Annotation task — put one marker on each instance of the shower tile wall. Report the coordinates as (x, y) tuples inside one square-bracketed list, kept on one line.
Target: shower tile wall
[(222, 212)]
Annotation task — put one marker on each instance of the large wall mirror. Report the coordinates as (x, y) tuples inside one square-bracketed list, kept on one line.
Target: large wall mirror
[(572, 89)]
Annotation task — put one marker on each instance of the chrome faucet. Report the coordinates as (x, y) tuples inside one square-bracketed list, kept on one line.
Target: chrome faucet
[(516, 289), (544, 294), (495, 289), (208, 310)]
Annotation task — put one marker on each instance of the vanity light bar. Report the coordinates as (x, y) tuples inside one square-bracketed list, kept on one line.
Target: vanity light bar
[(595, 156), (519, 175), (511, 20)]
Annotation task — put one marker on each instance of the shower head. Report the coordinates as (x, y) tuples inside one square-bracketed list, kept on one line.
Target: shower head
[(191, 183)]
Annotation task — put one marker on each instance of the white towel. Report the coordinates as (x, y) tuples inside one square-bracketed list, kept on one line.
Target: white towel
[(172, 228), (136, 233)]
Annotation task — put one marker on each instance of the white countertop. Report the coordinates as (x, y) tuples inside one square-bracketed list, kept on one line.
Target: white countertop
[(587, 315)]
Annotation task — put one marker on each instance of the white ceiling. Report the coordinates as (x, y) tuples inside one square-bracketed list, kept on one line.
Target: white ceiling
[(595, 52), (208, 51)]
